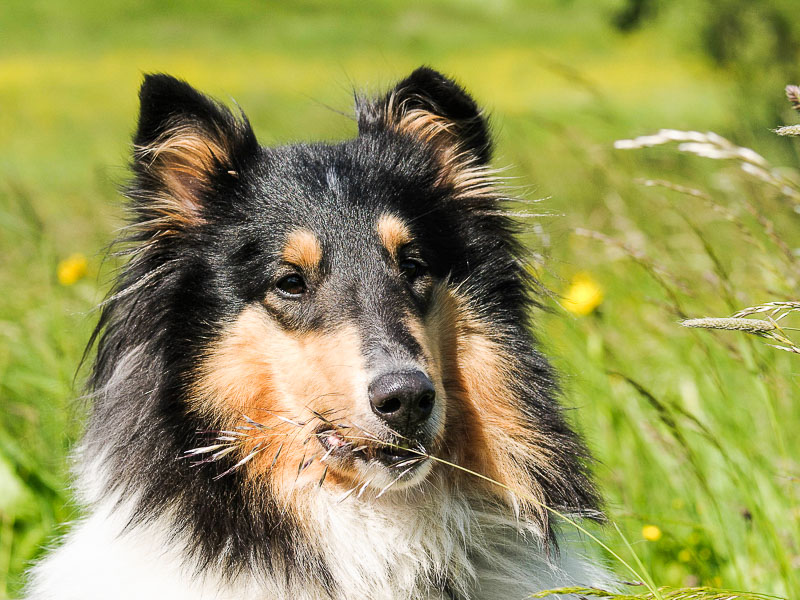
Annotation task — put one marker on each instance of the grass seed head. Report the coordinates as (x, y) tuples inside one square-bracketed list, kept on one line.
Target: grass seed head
[(793, 94), (756, 326)]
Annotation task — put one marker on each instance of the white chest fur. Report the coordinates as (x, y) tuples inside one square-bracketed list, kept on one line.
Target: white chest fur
[(386, 549)]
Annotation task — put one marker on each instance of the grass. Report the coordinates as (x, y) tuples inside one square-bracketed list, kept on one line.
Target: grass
[(710, 423), (693, 429)]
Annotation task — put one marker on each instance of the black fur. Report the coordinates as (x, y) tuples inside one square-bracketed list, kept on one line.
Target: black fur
[(184, 282)]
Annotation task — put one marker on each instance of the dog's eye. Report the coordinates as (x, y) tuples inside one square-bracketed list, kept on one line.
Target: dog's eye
[(411, 269), (291, 285)]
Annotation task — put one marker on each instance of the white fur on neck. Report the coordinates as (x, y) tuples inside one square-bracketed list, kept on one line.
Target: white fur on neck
[(397, 547)]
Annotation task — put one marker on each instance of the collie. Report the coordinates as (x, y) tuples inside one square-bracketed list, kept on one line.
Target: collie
[(308, 356)]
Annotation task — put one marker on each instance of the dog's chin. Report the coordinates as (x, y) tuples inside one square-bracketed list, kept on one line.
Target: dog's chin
[(385, 466)]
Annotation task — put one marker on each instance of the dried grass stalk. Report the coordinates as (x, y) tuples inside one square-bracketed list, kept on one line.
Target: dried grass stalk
[(712, 145), (768, 328)]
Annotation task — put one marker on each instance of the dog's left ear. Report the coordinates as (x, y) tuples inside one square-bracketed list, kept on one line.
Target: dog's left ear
[(431, 107)]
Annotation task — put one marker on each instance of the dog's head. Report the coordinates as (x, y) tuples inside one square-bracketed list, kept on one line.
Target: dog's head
[(347, 315)]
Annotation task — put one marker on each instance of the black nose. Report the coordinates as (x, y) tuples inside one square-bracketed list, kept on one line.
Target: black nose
[(403, 400)]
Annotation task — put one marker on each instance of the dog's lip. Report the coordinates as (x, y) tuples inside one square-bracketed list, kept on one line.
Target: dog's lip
[(388, 453), (333, 441), (392, 455)]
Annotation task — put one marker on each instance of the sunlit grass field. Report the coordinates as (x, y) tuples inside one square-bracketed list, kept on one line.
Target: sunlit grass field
[(694, 432)]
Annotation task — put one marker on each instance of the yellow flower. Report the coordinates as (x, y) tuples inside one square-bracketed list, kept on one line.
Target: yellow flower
[(72, 269), (584, 295), (651, 533), (685, 555)]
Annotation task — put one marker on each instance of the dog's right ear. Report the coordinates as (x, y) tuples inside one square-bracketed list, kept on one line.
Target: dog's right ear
[(186, 147), (433, 108), (438, 113)]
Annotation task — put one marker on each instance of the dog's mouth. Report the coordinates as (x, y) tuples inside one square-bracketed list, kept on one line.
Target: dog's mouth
[(339, 444)]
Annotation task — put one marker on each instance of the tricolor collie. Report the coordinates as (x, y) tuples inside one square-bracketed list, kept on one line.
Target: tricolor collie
[(315, 377)]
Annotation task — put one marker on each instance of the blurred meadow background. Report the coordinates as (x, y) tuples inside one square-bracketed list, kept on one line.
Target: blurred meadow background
[(695, 431)]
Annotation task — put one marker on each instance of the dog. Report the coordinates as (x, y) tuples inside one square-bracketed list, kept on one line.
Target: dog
[(315, 377)]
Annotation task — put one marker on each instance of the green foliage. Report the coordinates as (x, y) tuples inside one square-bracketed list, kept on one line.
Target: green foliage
[(701, 593), (692, 429), (706, 418)]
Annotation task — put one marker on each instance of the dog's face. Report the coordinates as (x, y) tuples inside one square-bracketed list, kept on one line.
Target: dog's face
[(340, 283), (328, 274), (338, 315)]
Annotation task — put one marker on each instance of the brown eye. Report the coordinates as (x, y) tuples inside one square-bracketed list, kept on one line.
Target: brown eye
[(291, 285), (411, 269)]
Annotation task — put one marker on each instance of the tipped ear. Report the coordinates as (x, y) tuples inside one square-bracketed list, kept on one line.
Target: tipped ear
[(186, 145), (428, 105)]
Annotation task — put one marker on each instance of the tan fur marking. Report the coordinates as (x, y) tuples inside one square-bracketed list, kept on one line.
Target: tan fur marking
[(260, 371), (394, 233), (302, 249), (183, 160), (270, 375), (486, 430)]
